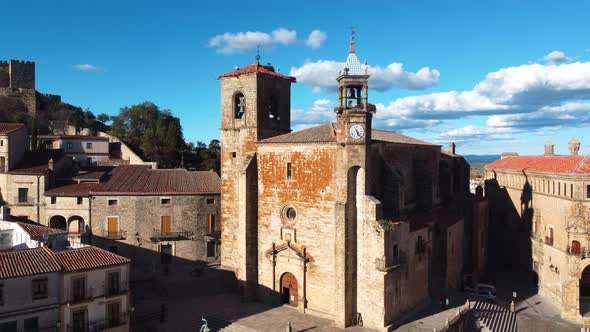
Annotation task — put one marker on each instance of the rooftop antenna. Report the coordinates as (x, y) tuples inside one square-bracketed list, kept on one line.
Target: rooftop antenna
[(258, 53)]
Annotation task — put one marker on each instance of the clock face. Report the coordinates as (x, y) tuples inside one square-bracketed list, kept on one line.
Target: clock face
[(356, 131)]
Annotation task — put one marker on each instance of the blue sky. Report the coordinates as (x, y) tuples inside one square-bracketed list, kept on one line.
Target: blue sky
[(492, 76)]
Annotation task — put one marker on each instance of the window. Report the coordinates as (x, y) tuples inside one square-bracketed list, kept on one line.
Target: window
[(79, 321), (549, 237), (291, 213), (575, 249), (289, 171), (1, 142), (239, 105), (31, 324), (113, 283), (23, 195), (69, 146), (211, 249), (78, 289), (210, 200), (588, 191), (233, 154), (39, 289), (2, 164), (571, 191), (79, 200), (53, 200), (165, 225), (165, 201), (211, 226), (559, 188), (112, 202), (89, 146), (113, 310)]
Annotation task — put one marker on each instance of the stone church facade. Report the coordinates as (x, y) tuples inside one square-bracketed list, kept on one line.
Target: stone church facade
[(541, 207), (335, 220)]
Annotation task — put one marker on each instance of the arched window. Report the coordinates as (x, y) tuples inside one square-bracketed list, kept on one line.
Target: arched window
[(273, 109), (239, 105)]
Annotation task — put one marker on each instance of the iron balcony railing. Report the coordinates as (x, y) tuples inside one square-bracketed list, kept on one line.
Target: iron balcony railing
[(114, 235), (158, 234), (115, 289)]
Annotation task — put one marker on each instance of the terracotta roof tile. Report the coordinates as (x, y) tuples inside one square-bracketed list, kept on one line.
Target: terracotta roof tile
[(141, 179), (89, 257), (36, 162), (72, 190), (20, 263), (38, 230), (7, 128), (545, 164), (89, 176), (253, 68), (325, 133)]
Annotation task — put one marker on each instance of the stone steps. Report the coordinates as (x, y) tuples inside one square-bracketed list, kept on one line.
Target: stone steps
[(492, 317), (217, 324)]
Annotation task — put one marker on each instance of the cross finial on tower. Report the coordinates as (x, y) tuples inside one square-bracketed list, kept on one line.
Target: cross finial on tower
[(351, 40), (258, 53)]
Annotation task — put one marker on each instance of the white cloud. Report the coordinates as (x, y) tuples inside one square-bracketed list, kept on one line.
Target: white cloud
[(240, 42), (557, 57), (86, 67), (284, 36), (322, 74), (316, 38), (321, 111), (587, 50)]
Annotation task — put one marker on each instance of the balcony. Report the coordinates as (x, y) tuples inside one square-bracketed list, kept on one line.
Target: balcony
[(87, 295), (118, 235), (159, 235), (114, 290), (99, 325), (548, 240)]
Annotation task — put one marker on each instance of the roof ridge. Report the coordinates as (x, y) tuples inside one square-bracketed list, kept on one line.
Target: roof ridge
[(580, 164)]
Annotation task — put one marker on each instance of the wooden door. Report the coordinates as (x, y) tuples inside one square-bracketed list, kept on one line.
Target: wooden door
[(289, 289), (166, 225), (113, 226)]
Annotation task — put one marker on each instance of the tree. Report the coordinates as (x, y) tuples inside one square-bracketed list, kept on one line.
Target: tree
[(153, 133)]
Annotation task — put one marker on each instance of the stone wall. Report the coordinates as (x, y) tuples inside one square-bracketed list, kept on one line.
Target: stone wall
[(140, 217)]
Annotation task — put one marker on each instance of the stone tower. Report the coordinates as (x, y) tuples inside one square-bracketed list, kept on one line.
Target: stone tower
[(255, 104), (17, 80), (353, 133)]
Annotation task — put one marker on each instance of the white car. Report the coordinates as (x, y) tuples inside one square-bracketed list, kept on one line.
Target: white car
[(471, 288), (486, 294)]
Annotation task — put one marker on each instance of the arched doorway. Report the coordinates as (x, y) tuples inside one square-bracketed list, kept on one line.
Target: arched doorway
[(76, 224), (585, 292), (58, 222), (289, 293)]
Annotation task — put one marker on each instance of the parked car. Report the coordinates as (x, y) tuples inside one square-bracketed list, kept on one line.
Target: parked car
[(471, 288), (486, 294)]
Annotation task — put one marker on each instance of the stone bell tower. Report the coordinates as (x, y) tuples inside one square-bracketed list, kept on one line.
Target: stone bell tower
[(353, 133), (354, 112), (255, 104)]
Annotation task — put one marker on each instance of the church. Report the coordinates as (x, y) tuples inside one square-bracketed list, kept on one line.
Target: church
[(339, 220)]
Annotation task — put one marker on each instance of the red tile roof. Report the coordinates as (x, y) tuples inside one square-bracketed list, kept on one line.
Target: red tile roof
[(89, 257), (325, 133), (141, 179), (38, 230), (73, 190), (253, 68), (36, 162), (7, 128), (20, 263), (545, 164)]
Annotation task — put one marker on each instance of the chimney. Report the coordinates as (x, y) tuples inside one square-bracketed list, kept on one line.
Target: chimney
[(549, 149), (574, 146), (50, 164), (452, 148)]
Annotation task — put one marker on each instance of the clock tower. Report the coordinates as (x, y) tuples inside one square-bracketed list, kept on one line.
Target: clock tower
[(354, 112)]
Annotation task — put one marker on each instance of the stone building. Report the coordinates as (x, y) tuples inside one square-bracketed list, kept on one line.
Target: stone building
[(335, 220), (84, 150), (540, 217), (152, 216)]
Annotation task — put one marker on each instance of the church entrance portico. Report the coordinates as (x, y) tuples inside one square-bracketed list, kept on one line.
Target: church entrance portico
[(289, 294)]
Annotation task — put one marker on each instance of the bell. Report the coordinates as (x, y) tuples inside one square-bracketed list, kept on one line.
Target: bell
[(351, 93)]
